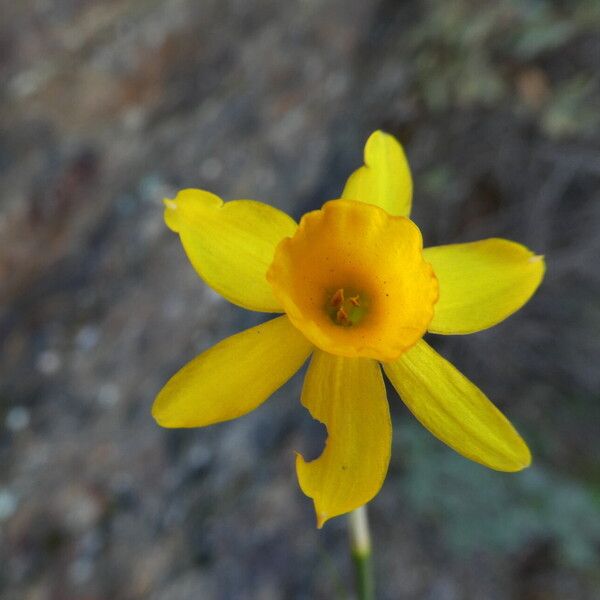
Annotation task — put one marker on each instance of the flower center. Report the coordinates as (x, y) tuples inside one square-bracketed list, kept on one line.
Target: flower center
[(346, 309), (353, 280)]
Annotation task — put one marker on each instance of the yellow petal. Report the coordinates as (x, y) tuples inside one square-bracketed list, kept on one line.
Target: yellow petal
[(348, 396), (233, 377), (481, 283), (385, 180), (455, 410), (230, 244)]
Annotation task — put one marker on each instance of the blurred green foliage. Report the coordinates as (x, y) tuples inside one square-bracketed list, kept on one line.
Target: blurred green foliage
[(474, 52), (570, 111), (478, 509)]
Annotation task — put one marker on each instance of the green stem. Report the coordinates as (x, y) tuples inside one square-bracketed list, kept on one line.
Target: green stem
[(360, 544)]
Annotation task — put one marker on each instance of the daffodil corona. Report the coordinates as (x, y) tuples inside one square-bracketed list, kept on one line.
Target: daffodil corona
[(354, 281), (357, 289)]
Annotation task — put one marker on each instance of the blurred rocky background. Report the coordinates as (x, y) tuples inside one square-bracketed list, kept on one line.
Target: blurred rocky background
[(106, 107)]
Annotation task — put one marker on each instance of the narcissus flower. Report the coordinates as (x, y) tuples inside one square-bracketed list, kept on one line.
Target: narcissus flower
[(357, 291)]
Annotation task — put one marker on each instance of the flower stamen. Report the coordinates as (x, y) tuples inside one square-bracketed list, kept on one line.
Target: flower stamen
[(345, 311), (341, 317), (337, 300)]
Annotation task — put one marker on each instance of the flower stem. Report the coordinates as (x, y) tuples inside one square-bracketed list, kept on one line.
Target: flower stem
[(360, 545)]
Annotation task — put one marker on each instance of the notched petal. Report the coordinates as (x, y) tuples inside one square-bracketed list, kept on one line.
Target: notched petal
[(348, 396)]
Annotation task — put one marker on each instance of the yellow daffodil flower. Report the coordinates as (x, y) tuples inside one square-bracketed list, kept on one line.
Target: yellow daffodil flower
[(357, 290)]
